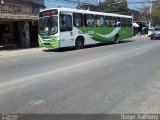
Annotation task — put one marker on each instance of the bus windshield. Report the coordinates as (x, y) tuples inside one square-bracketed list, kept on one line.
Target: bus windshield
[(48, 25)]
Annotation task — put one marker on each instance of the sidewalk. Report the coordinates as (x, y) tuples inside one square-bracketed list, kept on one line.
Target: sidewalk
[(12, 52), (139, 36)]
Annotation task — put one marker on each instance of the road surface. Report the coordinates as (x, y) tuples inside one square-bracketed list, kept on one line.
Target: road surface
[(120, 78)]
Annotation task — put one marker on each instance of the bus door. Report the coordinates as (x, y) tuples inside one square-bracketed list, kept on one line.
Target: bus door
[(66, 26)]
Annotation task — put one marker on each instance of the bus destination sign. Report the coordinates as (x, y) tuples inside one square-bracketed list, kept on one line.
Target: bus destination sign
[(49, 12)]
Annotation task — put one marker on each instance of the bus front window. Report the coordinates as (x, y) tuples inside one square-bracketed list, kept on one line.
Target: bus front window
[(48, 25)]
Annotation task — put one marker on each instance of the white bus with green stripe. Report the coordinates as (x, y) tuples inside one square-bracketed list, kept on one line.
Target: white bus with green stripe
[(64, 27)]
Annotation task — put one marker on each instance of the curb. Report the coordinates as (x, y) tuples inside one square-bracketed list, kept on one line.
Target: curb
[(142, 36), (4, 53)]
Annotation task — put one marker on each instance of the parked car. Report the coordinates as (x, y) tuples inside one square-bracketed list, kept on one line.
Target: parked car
[(150, 30), (155, 33)]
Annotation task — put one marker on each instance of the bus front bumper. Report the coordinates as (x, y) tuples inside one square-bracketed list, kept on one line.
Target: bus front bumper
[(55, 44)]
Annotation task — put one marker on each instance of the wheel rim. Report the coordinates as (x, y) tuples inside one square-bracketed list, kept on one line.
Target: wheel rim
[(79, 43), (116, 39)]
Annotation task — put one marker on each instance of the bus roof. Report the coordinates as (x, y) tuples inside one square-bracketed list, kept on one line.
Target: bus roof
[(88, 12)]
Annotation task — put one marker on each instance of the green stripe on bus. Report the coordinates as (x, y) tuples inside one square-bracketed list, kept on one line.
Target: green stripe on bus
[(124, 33)]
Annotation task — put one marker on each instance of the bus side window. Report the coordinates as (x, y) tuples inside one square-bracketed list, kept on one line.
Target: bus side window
[(117, 22), (99, 21), (106, 21), (78, 19), (65, 23), (109, 21), (89, 20), (129, 22), (123, 22)]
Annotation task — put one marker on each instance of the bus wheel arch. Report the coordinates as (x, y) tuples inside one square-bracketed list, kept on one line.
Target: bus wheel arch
[(116, 38), (79, 42)]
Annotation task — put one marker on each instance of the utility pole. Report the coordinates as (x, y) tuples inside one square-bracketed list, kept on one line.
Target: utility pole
[(78, 1), (98, 2), (98, 5), (150, 16)]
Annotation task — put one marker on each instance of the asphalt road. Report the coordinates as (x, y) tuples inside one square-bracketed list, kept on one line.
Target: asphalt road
[(120, 78)]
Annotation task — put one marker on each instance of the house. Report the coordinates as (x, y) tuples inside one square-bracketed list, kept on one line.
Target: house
[(87, 6), (19, 22)]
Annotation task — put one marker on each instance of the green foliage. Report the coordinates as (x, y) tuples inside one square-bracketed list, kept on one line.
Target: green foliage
[(144, 14), (155, 15), (114, 6)]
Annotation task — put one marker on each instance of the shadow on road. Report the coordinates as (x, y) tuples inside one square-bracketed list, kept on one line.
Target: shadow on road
[(66, 49), (155, 39), (14, 48)]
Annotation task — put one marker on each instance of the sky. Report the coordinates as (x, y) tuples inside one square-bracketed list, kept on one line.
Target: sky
[(133, 4)]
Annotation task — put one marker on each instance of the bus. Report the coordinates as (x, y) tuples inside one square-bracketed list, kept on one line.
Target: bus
[(65, 27)]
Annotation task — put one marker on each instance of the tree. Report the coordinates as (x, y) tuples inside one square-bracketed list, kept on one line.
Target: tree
[(114, 6), (154, 16), (144, 13)]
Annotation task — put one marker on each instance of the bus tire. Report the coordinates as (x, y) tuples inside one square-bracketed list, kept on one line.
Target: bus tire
[(79, 43), (116, 39)]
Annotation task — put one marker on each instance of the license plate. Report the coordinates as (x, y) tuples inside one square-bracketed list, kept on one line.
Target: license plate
[(46, 40)]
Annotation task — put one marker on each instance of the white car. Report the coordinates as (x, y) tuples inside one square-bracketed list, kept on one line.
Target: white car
[(155, 33), (150, 30)]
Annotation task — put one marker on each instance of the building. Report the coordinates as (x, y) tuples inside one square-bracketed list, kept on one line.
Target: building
[(87, 6), (131, 12), (19, 22)]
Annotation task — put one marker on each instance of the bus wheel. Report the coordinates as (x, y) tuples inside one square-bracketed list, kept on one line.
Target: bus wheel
[(79, 43), (116, 39)]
